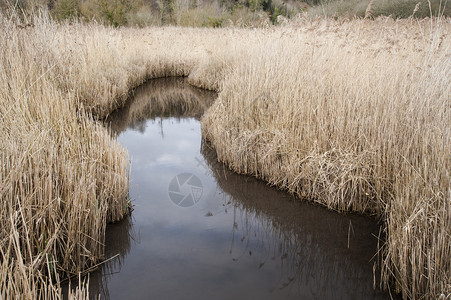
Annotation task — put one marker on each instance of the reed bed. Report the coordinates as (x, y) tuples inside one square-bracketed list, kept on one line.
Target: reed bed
[(62, 177), (353, 114)]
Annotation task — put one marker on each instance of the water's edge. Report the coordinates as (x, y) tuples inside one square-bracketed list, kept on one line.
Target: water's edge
[(234, 236)]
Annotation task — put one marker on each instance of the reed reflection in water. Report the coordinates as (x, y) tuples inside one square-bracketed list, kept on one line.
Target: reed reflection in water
[(322, 253), (243, 239), (161, 98)]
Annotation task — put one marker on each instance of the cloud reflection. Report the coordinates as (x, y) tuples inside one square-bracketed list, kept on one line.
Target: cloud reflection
[(243, 239)]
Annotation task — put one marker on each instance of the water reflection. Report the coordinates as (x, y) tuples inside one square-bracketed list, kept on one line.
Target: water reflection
[(322, 254), (117, 246), (161, 98), (241, 239)]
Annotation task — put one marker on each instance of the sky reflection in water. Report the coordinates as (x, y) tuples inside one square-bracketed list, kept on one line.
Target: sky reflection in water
[(241, 240)]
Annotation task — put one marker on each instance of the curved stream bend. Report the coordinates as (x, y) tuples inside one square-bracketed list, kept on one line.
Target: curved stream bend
[(199, 231)]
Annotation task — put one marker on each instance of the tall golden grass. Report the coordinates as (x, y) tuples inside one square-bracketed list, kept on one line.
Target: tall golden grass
[(351, 114), (356, 116), (62, 176)]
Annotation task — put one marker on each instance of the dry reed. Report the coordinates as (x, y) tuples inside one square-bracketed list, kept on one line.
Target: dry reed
[(351, 114), (354, 115), (62, 176)]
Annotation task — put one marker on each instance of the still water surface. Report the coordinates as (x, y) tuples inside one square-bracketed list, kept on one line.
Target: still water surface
[(199, 231)]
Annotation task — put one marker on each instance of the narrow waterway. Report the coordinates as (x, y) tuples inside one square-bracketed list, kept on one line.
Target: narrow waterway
[(199, 231)]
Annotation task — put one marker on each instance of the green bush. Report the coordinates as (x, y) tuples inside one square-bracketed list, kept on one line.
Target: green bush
[(114, 12), (394, 8), (66, 9), (213, 22), (405, 8)]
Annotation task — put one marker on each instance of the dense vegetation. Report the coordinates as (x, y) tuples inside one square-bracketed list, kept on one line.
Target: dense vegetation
[(352, 114), (221, 13)]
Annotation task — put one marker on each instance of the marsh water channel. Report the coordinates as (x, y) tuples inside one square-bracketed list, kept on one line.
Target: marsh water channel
[(199, 231)]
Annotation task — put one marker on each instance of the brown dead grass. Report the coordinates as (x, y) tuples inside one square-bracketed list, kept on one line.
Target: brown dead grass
[(354, 115), (351, 114)]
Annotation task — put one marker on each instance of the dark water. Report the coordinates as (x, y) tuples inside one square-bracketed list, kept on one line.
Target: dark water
[(199, 231)]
